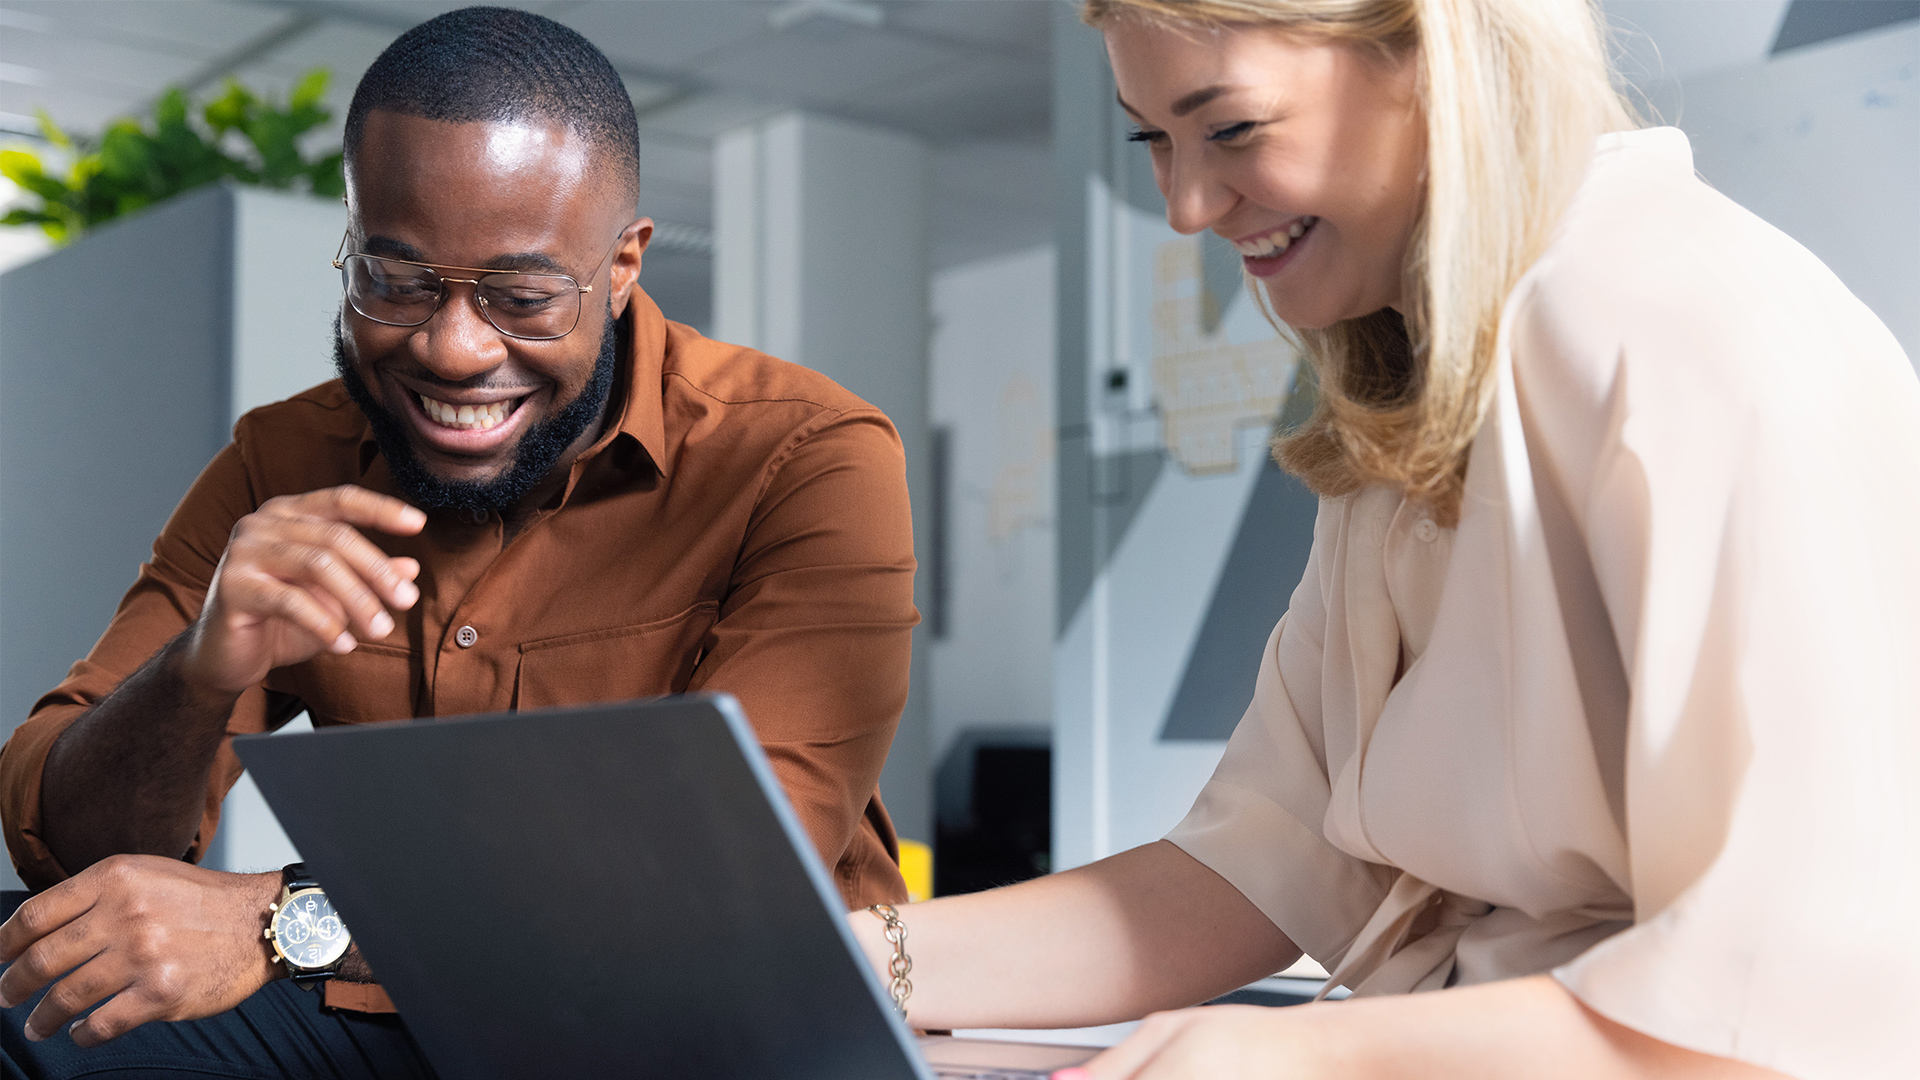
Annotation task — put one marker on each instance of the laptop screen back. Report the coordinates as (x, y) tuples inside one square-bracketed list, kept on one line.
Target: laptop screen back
[(613, 890)]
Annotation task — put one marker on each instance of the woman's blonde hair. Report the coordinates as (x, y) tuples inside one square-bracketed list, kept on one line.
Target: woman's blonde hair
[(1514, 94)]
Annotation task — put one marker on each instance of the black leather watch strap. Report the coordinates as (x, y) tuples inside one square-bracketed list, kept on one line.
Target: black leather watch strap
[(295, 876)]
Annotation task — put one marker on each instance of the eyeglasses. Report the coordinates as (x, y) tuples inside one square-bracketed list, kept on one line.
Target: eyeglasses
[(534, 307)]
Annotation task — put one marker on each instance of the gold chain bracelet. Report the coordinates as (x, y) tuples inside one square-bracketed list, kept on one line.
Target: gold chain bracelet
[(900, 989)]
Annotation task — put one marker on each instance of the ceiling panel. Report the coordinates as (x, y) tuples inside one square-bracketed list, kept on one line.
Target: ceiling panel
[(71, 61), (983, 97), (823, 60), (1017, 26), (189, 27), (76, 111), (671, 35)]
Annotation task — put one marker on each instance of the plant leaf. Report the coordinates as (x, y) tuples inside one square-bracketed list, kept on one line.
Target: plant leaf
[(309, 90), (50, 131)]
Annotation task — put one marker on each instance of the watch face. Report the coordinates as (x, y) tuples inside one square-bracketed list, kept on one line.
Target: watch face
[(308, 931)]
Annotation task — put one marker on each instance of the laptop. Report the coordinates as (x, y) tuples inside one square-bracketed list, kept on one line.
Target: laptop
[(614, 890)]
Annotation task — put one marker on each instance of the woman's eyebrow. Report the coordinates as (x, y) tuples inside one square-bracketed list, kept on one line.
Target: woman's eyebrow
[(1198, 98), (1183, 106)]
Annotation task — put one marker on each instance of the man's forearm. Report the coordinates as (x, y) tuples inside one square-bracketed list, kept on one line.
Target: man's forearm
[(130, 775)]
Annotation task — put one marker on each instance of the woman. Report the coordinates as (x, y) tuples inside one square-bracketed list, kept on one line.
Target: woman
[(1592, 714)]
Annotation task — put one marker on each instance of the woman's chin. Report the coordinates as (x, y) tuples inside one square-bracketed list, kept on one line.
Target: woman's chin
[(1314, 312)]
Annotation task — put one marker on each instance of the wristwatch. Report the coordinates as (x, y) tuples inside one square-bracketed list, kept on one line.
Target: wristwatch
[(303, 930)]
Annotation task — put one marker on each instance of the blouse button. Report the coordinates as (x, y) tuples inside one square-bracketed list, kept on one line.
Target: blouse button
[(1426, 531), (466, 636)]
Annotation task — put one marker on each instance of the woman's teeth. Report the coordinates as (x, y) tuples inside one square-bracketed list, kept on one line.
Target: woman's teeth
[(1277, 241), (466, 417)]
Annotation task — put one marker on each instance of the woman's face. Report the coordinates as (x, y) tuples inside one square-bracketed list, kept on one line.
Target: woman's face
[(1306, 155)]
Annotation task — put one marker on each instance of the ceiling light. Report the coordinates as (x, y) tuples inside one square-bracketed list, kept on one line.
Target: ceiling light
[(857, 12)]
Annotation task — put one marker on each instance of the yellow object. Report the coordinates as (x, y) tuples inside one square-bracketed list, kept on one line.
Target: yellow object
[(916, 865)]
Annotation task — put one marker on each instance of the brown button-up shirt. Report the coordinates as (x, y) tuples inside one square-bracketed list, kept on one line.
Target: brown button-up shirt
[(741, 525)]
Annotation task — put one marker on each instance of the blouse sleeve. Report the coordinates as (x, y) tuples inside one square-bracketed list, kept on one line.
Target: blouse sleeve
[(1743, 459), (1259, 820)]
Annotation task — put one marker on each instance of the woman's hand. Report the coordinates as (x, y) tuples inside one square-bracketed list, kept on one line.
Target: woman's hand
[(1519, 1028), (1241, 1041)]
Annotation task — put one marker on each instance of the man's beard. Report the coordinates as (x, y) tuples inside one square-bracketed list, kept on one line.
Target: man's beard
[(533, 458)]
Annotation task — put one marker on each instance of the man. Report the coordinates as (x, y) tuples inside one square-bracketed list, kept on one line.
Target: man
[(525, 489)]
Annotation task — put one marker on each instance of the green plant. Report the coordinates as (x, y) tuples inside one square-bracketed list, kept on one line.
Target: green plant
[(132, 165)]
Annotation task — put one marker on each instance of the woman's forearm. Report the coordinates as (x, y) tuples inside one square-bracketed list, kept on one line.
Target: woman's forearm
[(1147, 929), (1520, 1029)]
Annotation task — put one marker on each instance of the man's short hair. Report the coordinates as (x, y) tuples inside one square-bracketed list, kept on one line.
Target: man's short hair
[(500, 65)]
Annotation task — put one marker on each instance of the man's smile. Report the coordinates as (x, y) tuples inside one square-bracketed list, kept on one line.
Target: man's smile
[(481, 423)]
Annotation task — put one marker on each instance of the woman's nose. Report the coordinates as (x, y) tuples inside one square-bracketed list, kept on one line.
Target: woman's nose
[(1197, 196)]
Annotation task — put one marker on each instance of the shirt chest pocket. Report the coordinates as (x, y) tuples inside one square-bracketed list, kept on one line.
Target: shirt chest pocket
[(617, 664), (374, 682)]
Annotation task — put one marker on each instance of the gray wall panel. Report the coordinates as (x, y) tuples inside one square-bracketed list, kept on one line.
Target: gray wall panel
[(114, 361)]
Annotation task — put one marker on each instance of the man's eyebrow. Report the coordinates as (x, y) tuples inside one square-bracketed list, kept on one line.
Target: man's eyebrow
[(527, 261), (1185, 105)]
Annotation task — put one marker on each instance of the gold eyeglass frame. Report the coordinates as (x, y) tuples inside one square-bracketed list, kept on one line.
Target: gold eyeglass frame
[(341, 255)]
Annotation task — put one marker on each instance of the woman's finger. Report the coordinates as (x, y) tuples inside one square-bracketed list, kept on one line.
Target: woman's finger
[(1127, 1059)]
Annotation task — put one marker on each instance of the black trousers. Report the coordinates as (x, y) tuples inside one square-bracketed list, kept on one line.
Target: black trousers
[(279, 1032)]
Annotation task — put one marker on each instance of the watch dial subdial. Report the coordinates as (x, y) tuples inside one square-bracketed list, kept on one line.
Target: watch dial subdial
[(309, 932)]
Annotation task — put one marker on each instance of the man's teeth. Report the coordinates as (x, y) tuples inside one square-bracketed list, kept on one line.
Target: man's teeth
[(465, 417), (1277, 241)]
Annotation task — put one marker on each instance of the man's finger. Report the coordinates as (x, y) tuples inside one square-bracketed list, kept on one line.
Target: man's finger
[(358, 506), (60, 950), (326, 574), (42, 915), (94, 981), (260, 596), (390, 577)]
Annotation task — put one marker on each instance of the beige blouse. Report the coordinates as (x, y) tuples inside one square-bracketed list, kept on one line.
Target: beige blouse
[(1649, 720)]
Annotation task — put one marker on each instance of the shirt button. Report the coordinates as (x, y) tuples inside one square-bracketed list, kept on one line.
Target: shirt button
[(1426, 531), (466, 636)]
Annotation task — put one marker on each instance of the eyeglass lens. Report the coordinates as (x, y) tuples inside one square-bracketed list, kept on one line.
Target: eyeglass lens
[(534, 306)]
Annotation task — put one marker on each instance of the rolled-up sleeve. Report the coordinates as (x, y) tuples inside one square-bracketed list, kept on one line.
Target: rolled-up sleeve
[(816, 634), (1259, 820)]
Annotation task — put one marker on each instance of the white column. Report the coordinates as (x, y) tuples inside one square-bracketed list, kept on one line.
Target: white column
[(820, 258)]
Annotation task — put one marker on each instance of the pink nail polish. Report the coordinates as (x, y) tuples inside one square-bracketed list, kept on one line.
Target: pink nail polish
[(1073, 1073)]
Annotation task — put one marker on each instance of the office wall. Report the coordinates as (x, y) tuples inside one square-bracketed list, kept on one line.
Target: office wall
[(1824, 143), (124, 360), (114, 357), (991, 374), (285, 294)]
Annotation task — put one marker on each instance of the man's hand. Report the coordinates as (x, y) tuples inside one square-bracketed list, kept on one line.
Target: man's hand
[(155, 938), (298, 578)]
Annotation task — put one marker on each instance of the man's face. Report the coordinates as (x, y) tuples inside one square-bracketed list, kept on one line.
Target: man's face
[(522, 196)]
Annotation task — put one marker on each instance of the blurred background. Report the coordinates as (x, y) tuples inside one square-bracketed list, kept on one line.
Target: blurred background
[(929, 200)]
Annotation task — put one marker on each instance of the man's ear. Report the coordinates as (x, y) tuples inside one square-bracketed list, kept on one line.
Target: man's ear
[(626, 263)]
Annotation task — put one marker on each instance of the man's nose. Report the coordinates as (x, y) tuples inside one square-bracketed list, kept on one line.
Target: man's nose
[(458, 342)]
